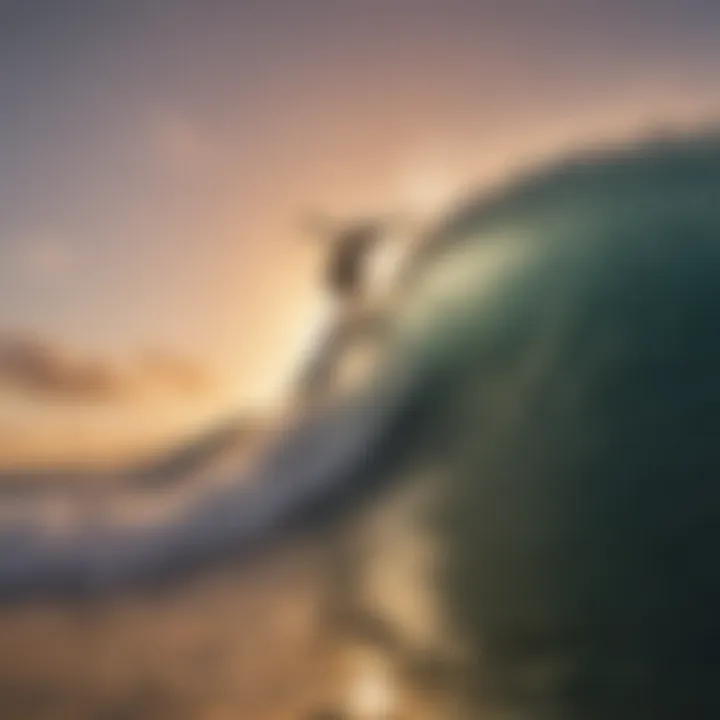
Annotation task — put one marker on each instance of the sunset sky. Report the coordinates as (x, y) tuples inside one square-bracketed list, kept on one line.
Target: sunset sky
[(157, 158)]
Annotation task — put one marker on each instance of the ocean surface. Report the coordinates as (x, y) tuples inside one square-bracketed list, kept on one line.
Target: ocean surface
[(553, 351)]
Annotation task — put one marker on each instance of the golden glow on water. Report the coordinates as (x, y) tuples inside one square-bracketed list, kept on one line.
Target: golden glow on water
[(372, 694)]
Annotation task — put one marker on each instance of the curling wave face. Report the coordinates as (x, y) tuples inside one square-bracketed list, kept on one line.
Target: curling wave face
[(623, 245)]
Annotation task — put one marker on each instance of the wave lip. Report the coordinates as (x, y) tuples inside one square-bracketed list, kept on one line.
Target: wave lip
[(119, 535)]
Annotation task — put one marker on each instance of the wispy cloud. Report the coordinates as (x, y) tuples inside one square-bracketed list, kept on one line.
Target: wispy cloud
[(180, 144), (40, 369), (43, 259)]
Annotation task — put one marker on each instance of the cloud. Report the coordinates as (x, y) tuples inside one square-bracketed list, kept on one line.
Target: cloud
[(180, 144), (38, 368), (45, 259)]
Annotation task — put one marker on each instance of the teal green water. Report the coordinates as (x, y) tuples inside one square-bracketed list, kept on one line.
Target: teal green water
[(572, 397)]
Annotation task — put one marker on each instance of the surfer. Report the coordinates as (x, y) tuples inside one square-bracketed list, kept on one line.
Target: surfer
[(347, 279)]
